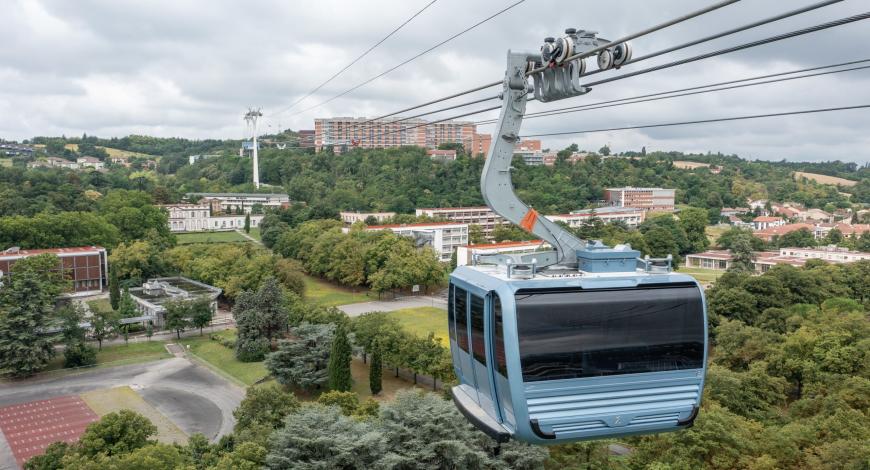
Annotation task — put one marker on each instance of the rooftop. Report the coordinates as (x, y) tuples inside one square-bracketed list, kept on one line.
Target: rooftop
[(238, 195), (505, 244), (160, 290), (16, 252), (418, 225), (766, 218)]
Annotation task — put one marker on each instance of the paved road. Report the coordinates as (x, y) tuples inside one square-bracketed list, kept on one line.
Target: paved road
[(355, 310), (192, 396)]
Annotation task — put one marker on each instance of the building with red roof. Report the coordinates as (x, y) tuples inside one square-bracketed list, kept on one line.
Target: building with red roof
[(86, 267)]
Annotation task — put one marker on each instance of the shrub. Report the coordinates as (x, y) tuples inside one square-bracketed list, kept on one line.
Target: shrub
[(79, 354), (252, 350)]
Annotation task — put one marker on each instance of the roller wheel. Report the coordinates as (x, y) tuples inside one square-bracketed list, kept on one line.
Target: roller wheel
[(605, 59), (621, 54)]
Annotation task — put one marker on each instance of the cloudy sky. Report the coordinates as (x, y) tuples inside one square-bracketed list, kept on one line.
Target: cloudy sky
[(191, 68)]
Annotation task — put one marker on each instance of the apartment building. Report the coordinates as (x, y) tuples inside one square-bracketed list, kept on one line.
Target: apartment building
[(232, 202), (481, 215), (653, 199), (86, 267), (443, 237), (630, 216), (721, 259), (339, 133), (478, 145), (350, 218), (550, 158), (199, 218)]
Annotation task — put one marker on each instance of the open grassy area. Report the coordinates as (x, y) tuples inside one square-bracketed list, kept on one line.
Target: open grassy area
[(210, 237), (714, 232), (702, 275), (109, 400), (422, 320), (101, 305), (255, 233), (223, 359), (824, 179), (121, 354), (6, 162), (324, 293)]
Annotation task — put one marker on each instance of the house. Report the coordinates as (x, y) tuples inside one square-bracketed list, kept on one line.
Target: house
[(729, 211), (769, 233), (815, 215), (90, 162), (53, 162), (763, 222), (737, 222), (848, 230)]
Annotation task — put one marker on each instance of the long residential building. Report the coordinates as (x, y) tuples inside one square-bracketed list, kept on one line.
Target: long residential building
[(233, 202), (199, 218), (721, 260), (350, 217), (630, 216), (652, 199), (479, 215), (85, 266), (339, 133), (443, 237)]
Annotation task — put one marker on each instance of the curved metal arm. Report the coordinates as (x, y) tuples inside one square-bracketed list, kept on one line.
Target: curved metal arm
[(495, 182)]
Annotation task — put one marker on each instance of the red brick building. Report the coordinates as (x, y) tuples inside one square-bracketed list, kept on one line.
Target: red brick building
[(86, 266)]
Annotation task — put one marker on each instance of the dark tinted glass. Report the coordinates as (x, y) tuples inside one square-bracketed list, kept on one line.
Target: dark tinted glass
[(460, 304), (498, 322), (478, 345), (451, 327), (592, 333)]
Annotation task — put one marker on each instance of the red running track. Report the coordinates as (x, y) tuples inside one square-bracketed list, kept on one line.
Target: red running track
[(30, 427)]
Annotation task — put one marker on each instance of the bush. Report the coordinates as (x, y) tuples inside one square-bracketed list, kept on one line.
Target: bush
[(252, 350), (229, 343), (79, 354)]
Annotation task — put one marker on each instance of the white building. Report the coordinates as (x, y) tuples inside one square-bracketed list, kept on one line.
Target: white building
[(53, 162), (351, 218), (763, 222), (481, 215), (228, 202), (154, 293), (443, 237), (90, 162), (831, 253), (653, 199), (465, 254), (532, 157), (630, 216), (198, 218)]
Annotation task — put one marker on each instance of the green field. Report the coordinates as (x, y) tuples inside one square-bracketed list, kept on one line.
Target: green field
[(421, 320), (210, 237), (255, 233), (224, 360), (324, 293), (101, 305), (714, 232), (6, 162), (702, 275), (121, 354)]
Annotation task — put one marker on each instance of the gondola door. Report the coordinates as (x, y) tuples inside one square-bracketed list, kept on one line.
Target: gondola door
[(479, 356)]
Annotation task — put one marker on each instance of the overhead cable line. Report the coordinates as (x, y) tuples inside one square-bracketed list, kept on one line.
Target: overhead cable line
[(375, 45), (688, 91), (406, 61), (760, 42), (729, 32), (702, 121), (498, 82)]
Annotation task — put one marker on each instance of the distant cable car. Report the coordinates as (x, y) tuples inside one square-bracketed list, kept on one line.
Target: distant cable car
[(582, 342)]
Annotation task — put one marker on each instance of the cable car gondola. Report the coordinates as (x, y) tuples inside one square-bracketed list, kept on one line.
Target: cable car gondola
[(581, 342)]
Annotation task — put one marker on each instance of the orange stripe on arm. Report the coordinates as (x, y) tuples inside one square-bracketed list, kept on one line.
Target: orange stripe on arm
[(528, 222)]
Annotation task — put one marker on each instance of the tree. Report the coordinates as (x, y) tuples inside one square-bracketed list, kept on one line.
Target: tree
[(265, 405), (475, 234), (26, 308), (149, 330), (104, 325), (726, 240), (52, 459), (376, 370), (301, 361), (247, 223), (743, 258), (117, 433), (114, 290), (693, 221), (201, 313), (77, 352), (127, 306), (605, 150), (797, 238), (176, 315), (347, 401), (339, 361)]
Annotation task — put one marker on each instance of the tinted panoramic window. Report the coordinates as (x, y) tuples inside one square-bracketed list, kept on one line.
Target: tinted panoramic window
[(498, 323), (565, 335), (478, 344), (459, 306), (451, 318)]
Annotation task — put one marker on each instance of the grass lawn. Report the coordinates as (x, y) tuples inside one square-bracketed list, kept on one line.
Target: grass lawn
[(714, 231), (255, 233), (704, 276), (422, 320), (100, 305), (122, 354), (210, 237), (6, 162), (224, 360), (390, 384), (324, 293), (109, 400)]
